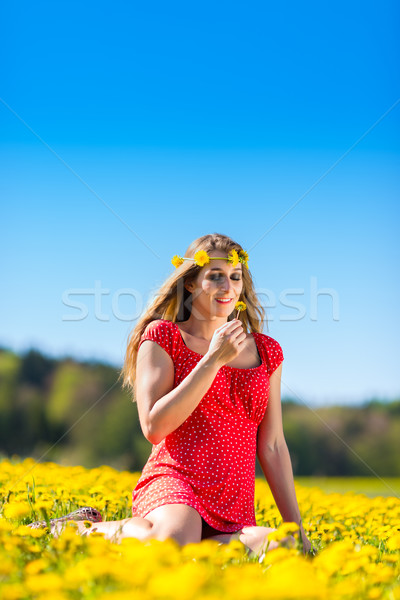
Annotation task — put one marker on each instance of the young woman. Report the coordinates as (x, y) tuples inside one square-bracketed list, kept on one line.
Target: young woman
[(207, 387)]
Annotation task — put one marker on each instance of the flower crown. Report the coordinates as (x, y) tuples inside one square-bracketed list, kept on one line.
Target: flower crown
[(201, 258)]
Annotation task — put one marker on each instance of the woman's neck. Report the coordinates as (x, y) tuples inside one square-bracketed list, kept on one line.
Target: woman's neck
[(202, 329)]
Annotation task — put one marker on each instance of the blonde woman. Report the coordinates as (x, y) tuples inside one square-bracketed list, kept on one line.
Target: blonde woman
[(207, 387)]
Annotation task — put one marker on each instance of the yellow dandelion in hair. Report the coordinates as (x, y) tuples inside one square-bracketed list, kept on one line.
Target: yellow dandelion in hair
[(244, 257), (233, 258), (177, 261), (201, 258)]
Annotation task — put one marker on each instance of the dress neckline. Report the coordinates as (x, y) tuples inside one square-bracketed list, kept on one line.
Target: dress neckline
[(225, 366)]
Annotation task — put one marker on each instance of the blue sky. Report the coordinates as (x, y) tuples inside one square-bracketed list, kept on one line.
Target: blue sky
[(127, 131)]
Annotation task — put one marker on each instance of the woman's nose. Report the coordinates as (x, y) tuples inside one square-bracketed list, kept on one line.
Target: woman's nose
[(226, 284)]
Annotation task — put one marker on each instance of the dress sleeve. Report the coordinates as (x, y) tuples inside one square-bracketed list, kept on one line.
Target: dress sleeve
[(160, 331), (273, 353)]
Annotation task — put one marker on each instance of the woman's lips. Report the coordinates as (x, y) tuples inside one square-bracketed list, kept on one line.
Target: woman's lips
[(223, 301)]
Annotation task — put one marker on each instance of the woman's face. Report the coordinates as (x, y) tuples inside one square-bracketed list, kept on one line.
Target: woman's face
[(216, 281)]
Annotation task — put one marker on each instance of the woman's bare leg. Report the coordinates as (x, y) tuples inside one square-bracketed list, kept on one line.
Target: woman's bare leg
[(254, 538), (177, 521), (181, 523), (137, 527)]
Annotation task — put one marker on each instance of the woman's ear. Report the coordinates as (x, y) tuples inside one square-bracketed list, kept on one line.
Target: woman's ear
[(189, 287)]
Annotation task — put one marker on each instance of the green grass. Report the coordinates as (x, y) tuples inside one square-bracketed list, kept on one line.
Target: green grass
[(370, 486)]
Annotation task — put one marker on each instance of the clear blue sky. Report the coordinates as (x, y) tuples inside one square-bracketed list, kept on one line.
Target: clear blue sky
[(129, 129)]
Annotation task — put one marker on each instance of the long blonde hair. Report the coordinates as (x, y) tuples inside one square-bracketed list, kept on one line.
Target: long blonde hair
[(173, 301)]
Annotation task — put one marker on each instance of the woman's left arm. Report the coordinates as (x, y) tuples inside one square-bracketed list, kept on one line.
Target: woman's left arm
[(274, 457)]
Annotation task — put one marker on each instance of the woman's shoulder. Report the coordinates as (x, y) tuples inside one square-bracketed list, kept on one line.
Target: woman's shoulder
[(266, 339), (273, 350), (161, 325), (160, 328), (161, 331)]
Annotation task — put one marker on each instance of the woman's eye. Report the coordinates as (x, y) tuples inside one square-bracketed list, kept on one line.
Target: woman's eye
[(214, 277)]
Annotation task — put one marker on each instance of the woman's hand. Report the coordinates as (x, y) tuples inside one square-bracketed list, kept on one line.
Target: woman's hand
[(227, 342), (307, 546)]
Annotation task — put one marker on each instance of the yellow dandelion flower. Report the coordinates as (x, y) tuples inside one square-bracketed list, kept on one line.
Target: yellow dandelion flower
[(201, 258), (5, 526), (393, 542), (44, 582), (7, 567), (177, 261), (36, 533), (13, 591), (17, 510), (36, 566), (288, 528), (240, 306), (233, 257), (24, 531), (244, 257), (44, 505)]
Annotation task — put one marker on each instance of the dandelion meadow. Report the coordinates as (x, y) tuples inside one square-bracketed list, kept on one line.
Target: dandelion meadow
[(357, 539)]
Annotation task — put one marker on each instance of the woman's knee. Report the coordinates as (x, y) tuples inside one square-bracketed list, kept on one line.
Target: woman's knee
[(177, 521)]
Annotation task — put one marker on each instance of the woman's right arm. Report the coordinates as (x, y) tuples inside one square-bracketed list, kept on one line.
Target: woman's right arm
[(162, 408)]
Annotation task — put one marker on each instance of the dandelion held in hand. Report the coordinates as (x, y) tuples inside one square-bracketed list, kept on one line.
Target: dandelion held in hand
[(239, 306)]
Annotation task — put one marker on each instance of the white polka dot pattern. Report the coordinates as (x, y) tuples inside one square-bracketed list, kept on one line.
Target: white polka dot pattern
[(209, 461)]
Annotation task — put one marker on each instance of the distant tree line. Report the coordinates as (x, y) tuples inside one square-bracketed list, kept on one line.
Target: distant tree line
[(75, 412)]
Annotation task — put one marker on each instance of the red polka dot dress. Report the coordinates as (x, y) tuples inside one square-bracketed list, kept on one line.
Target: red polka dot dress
[(208, 462)]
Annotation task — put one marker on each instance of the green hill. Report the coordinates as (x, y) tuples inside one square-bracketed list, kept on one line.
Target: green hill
[(75, 413)]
